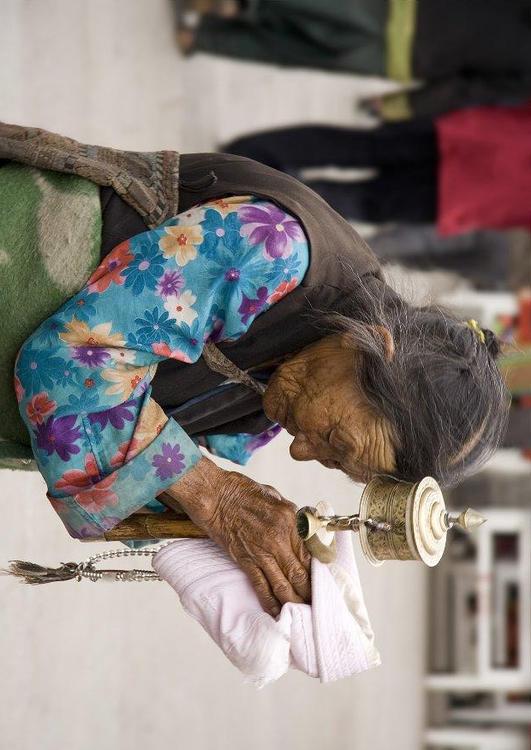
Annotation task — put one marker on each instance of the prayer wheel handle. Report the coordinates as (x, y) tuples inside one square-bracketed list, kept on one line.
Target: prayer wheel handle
[(396, 521)]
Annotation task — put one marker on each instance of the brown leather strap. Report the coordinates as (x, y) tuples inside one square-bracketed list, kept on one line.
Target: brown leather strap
[(218, 362), (147, 181)]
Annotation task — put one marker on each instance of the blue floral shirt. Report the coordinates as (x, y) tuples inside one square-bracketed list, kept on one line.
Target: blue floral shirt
[(103, 445)]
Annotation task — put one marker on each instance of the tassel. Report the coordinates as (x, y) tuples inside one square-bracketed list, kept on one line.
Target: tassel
[(29, 572)]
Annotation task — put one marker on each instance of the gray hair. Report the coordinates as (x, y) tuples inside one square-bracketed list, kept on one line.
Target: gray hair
[(441, 391)]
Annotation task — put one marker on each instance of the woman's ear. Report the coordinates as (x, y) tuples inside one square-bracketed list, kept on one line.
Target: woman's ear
[(388, 341), (347, 341)]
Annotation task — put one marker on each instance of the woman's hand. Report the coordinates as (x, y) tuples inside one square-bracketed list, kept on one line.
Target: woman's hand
[(255, 525)]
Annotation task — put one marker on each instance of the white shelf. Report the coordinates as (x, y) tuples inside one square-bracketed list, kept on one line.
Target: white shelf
[(508, 461), (476, 739), (464, 683), (510, 714), (486, 676), (487, 575)]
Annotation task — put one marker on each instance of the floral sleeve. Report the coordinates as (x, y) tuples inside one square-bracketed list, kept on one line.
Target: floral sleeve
[(240, 447), (103, 445)]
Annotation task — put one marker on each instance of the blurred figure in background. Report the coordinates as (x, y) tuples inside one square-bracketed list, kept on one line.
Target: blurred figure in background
[(466, 53), (404, 187), (489, 259), (466, 171)]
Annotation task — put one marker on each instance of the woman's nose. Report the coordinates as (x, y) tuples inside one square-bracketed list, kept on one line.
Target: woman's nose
[(301, 449)]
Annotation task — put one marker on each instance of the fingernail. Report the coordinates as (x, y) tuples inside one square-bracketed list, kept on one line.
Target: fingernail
[(275, 612)]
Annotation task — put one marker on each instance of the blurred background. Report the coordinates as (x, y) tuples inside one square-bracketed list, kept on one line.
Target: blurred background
[(306, 87)]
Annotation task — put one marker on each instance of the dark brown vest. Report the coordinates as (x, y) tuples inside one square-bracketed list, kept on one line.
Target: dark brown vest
[(337, 255)]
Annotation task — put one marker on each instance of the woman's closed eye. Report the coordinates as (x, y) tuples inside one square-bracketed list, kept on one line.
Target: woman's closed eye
[(336, 441), (335, 453), (343, 458)]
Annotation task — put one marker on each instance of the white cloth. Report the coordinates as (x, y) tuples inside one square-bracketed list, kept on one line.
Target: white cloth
[(330, 639)]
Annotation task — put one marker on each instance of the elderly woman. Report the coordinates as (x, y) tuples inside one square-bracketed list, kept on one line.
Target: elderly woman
[(252, 307)]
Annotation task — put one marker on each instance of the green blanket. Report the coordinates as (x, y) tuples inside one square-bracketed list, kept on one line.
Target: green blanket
[(50, 234)]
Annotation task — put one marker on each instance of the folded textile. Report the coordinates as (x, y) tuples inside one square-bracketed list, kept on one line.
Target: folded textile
[(332, 638)]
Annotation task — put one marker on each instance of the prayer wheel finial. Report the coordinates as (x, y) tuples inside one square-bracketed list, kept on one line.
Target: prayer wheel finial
[(469, 519)]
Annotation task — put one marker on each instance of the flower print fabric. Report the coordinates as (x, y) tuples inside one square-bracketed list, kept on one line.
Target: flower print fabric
[(103, 445), (240, 448), (269, 226), (170, 462)]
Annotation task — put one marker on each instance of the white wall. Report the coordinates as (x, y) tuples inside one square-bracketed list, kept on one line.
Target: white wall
[(105, 666), (119, 665)]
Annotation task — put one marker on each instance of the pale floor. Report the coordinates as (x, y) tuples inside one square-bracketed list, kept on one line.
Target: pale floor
[(89, 666)]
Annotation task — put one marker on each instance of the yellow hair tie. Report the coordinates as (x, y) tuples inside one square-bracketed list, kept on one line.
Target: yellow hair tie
[(474, 326)]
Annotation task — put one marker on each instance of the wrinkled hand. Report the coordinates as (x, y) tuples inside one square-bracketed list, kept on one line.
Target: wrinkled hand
[(256, 526)]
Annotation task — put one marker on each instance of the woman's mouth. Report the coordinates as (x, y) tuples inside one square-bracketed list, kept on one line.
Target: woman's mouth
[(331, 464)]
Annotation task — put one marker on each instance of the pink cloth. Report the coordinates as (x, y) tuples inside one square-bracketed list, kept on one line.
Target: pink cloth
[(485, 169), (330, 639)]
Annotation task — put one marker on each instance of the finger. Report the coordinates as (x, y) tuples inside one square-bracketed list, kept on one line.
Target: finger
[(299, 578), (300, 550), (263, 590), (279, 582), (300, 567), (298, 574)]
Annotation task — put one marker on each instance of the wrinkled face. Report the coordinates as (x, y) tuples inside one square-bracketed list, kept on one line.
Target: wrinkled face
[(316, 397)]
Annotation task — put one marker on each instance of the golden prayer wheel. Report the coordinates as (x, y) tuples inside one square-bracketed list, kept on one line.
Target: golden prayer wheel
[(396, 521)]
